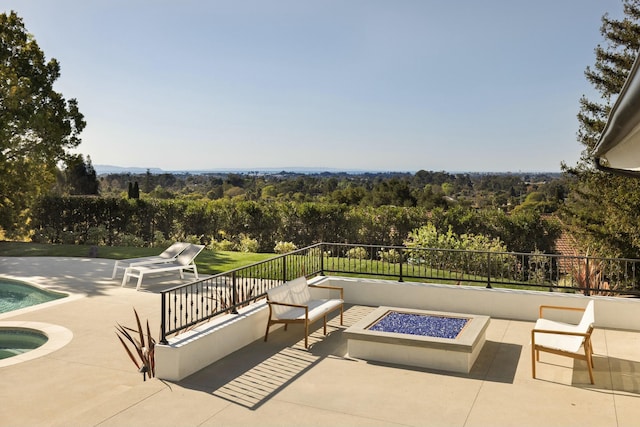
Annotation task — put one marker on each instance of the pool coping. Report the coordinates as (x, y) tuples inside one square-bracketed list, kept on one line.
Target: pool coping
[(57, 337)]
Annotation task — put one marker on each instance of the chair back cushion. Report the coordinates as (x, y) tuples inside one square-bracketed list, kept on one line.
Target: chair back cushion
[(280, 294), (174, 250), (187, 256), (588, 318), (300, 290)]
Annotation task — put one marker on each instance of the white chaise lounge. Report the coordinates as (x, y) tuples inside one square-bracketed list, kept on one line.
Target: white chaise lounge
[(168, 255), (293, 302), (184, 262), (564, 338)]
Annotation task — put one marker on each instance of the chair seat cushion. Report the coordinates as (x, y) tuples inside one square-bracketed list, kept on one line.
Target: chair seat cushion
[(165, 266), (317, 309), (568, 343)]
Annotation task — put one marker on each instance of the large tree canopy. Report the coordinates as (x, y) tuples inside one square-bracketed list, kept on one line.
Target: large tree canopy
[(604, 209), (37, 124)]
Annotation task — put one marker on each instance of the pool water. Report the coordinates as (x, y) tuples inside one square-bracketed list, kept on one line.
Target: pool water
[(15, 295), (420, 324), (18, 341)]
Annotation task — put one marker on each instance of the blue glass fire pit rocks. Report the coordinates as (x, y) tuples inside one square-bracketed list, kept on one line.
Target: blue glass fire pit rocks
[(418, 324)]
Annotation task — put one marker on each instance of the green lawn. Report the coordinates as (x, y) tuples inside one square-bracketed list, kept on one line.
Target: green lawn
[(209, 262), (214, 262)]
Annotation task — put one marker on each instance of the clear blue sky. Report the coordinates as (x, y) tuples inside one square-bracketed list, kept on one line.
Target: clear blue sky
[(393, 85)]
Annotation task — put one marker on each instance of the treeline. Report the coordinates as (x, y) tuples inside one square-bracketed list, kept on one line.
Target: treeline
[(426, 189), (122, 221)]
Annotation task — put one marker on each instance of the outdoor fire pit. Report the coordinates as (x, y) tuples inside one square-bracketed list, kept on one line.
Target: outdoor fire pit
[(427, 339)]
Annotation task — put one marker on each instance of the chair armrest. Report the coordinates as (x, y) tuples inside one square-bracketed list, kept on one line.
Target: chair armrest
[(335, 288), (558, 307), (548, 331), (288, 304)]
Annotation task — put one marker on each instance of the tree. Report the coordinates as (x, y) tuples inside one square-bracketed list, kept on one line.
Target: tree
[(148, 182), (134, 190), (602, 208), (80, 176), (37, 124), (394, 192)]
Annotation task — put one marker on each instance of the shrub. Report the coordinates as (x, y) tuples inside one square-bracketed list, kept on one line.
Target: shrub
[(391, 255), (68, 237), (538, 267), (181, 236), (97, 235), (247, 244), (192, 239), (284, 247), (222, 245), (45, 235), (130, 240), (429, 237), (143, 348), (159, 240), (357, 253), (464, 255)]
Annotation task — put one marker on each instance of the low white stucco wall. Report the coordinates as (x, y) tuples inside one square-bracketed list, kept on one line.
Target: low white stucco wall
[(611, 312), (189, 352)]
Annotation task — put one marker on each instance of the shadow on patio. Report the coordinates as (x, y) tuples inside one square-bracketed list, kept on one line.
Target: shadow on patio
[(253, 375)]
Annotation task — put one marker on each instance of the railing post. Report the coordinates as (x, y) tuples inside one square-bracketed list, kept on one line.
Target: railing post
[(321, 259), (401, 261), (284, 268), (554, 278), (489, 270), (163, 329), (587, 283), (234, 293)]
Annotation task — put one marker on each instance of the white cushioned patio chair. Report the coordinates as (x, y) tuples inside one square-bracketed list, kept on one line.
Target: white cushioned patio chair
[(183, 262), (168, 255), (292, 302), (564, 339)]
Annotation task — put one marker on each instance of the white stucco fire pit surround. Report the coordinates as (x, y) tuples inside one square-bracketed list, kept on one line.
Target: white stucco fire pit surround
[(448, 354)]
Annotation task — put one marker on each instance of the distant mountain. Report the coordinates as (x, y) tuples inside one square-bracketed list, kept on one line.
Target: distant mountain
[(110, 169), (106, 169), (135, 170)]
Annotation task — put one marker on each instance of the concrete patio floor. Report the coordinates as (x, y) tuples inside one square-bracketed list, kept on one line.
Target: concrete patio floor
[(92, 382)]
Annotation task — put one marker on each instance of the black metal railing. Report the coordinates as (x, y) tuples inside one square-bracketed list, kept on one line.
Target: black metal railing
[(589, 275), (186, 306)]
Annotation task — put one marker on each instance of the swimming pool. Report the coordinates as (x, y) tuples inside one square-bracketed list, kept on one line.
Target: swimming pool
[(15, 295), (18, 341), (25, 340)]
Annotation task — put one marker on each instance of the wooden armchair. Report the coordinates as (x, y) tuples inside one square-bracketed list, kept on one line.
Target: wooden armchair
[(292, 302), (564, 338)]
